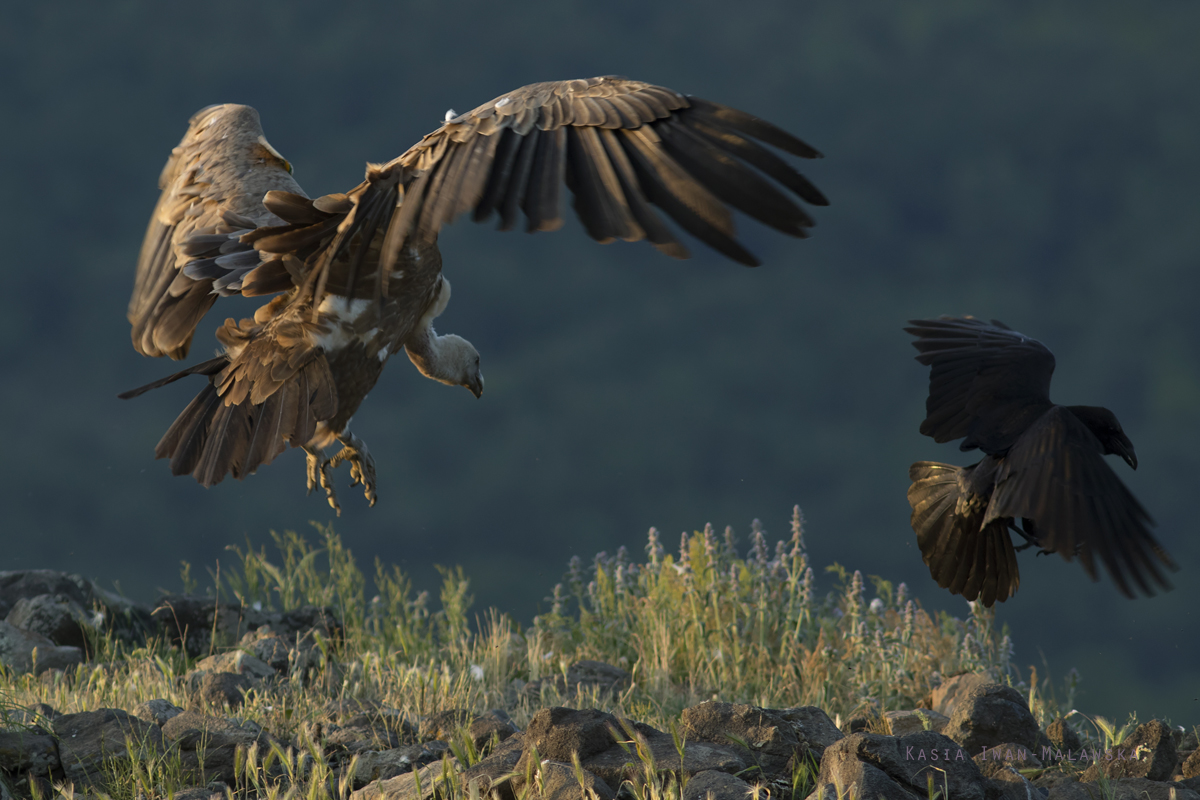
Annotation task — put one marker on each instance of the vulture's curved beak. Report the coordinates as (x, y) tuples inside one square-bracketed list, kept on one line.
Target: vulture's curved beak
[(476, 385)]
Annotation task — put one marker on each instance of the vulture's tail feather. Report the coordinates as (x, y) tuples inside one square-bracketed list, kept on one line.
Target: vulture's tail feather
[(210, 367), (212, 439)]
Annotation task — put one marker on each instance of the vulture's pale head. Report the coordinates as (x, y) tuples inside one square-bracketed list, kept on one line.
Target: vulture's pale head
[(449, 359)]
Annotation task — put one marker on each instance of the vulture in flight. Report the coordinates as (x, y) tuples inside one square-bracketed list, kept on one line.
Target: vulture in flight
[(1043, 465), (356, 277)]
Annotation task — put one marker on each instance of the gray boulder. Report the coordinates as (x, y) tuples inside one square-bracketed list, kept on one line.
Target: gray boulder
[(990, 714), (555, 780), (761, 737), (1149, 752), (23, 651), (375, 765), (55, 616), (717, 786), (405, 787), (156, 711), (23, 751), (872, 764), (620, 763), (208, 745), (91, 740)]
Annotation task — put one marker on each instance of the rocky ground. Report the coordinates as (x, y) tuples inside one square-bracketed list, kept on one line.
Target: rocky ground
[(974, 740)]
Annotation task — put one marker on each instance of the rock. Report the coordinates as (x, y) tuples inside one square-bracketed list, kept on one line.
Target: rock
[(583, 675), (482, 729), (238, 662), (198, 793), (1052, 777), (1191, 765), (404, 787), (872, 764), (371, 719), (190, 622), (1144, 789), (23, 751), (902, 723), (771, 741), (55, 616), (1062, 736), (217, 689), (24, 651), (1007, 784), (945, 698), (990, 714), (1072, 789), (617, 764), (345, 742), (91, 739), (208, 745), (156, 712), (118, 616), (502, 761), (812, 726), (268, 647), (1000, 767), (559, 732), (1007, 754), (554, 780), (374, 765), (717, 786), (1148, 752)]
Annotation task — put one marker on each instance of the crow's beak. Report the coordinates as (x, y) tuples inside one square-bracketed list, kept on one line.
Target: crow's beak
[(1124, 448), (476, 385)]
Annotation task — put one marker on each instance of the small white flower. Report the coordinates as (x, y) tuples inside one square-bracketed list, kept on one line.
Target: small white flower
[(257, 605), (876, 606), (477, 672)]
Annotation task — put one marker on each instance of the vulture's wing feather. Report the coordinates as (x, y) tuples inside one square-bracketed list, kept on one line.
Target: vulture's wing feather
[(986, 381), (620, 146), (1056, 474), (212, 193)]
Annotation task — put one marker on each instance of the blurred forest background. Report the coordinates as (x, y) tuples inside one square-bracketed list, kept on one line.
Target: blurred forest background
[(1035, 162)]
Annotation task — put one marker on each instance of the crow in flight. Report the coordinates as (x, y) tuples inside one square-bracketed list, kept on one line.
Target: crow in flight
[(357, 276), (1044, 465)]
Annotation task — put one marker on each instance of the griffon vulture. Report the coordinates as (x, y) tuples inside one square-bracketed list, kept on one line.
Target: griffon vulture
[(357, 277), (1044, 465)]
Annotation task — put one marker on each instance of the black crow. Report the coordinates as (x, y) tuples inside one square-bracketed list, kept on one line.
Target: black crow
[(1044, 466)]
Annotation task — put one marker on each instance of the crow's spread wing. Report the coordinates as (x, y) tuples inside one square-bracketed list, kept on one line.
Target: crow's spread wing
[(1056, 475), (986, 381)]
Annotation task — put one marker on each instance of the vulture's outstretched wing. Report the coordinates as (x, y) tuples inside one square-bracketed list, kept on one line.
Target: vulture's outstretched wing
[(620, 146), (212, 193), (987, 382), (1057, 476)]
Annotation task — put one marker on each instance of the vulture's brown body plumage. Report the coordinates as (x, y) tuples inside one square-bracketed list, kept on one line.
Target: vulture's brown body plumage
[(357, 276)]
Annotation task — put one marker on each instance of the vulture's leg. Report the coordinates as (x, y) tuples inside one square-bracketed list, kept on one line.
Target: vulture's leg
[(318, 474), (362, 465)]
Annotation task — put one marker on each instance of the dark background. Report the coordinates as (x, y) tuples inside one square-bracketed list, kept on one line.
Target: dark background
[(1035, 162)]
